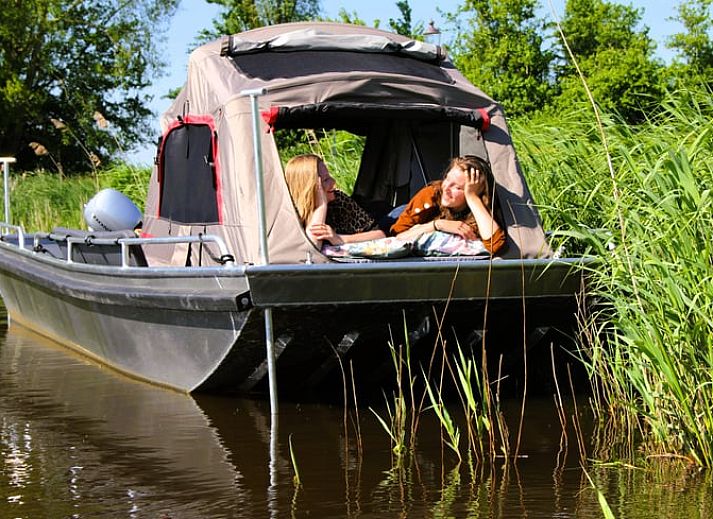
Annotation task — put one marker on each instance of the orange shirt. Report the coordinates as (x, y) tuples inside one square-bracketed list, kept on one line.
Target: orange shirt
[(424, 207)]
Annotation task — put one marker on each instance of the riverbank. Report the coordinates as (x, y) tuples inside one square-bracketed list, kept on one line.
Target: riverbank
[(42, 200)]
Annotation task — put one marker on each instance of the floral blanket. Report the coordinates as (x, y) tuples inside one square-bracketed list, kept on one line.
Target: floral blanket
[(430, 244)]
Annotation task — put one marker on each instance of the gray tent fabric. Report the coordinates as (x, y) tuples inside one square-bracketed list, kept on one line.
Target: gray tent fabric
[(315, 39), (332, 75)]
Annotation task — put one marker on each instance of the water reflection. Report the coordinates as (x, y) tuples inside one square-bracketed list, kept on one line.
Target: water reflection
[(98, 443), (79, 441)]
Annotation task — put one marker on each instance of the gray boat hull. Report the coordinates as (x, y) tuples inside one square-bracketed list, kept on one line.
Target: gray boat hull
[(202, 328)]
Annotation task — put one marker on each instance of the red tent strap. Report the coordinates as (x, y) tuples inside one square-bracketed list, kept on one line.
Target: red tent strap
[(270, 117), (486, 119)]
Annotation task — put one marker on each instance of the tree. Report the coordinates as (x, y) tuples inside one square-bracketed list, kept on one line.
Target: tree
[(69, 69), (353, 18), (242, 15), (404, 25), (694, 46), (615, 57), (500, 49)]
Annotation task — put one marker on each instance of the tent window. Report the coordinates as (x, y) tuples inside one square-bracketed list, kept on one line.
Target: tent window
[(286, 65), (188, 174)]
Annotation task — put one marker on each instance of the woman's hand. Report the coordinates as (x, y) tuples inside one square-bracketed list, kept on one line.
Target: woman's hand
[(456, 227), (474, 183), (322, 231)]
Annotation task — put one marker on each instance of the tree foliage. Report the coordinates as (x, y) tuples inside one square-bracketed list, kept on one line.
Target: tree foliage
[(694, 45), (404, 25), (72, 77), (242, 15), (615, 56), (499, 47), (353, 18)]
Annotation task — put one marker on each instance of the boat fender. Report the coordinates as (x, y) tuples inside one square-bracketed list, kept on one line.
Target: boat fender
[(111, 210)]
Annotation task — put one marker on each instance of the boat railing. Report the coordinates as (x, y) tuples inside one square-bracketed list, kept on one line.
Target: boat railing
[(19, 230), (226, 259)]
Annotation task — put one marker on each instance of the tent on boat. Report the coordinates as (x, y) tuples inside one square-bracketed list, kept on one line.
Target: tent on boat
[(413, 107)]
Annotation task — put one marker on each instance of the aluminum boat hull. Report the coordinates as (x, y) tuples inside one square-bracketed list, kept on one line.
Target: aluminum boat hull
[(202, 328)]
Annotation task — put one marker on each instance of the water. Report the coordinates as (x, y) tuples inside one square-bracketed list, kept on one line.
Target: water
[(77, 440)]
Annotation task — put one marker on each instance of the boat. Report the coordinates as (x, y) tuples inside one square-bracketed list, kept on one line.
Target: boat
[(223, 291)]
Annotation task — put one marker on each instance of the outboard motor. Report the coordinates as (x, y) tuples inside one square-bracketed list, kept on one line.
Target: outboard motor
[(111, 210)]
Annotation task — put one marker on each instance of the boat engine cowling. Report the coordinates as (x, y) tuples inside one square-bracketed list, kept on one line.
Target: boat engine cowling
[(111, 210)]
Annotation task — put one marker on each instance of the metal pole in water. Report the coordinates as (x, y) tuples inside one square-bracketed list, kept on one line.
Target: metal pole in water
[(262, 224), (6, 161)]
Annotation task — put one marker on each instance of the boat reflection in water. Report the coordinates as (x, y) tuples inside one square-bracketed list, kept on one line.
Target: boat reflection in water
[(81, 440), (78, 441)]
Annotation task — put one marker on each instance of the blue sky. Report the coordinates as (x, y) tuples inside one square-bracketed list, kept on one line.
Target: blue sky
[(195, 15)]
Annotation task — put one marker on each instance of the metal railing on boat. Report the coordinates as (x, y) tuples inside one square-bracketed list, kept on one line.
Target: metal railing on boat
[(18, 229), (226, 258)]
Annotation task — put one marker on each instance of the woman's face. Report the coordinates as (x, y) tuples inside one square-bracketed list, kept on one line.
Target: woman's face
[(328, 183), (452, 190)]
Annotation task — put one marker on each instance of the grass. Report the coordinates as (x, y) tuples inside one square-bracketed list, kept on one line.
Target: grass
[(42, 200), (649, 344)]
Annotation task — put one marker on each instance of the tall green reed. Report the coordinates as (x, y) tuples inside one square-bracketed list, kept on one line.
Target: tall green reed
[(649, 342), (402, 403), (42, 200), (340, 150), (443, 382)]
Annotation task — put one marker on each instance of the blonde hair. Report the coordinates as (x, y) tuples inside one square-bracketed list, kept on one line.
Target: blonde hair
[(302, 177)]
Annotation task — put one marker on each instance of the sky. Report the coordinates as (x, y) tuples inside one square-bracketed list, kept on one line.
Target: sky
[(194, 15)]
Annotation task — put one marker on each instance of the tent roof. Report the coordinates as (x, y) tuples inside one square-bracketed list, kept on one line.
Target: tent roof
[(416, 109), (322, 62)]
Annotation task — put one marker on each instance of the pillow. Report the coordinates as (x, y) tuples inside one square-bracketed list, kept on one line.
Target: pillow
[(441, 243), (383, 248)]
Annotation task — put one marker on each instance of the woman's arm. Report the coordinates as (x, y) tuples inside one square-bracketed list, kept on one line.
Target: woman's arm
[(415, 231), (326, 232), (474, 188), (317, 218), (362, 236), (457, 227), (354, 222)]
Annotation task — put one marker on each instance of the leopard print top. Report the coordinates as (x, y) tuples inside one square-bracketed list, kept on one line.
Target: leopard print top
[(345, 216)]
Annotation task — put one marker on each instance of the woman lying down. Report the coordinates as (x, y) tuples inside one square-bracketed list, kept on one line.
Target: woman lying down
[(452, 216)]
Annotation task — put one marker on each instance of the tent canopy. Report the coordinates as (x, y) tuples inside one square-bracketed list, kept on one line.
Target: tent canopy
[(415, 109)]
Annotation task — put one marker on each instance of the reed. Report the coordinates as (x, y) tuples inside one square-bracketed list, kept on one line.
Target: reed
[(340, 150), (452, 440), (42, 200), (649, 341), (601, 498), (296, 479), (396, 421)]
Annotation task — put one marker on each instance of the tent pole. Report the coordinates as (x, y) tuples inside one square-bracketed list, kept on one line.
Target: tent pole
[(264, 257), (6, 161)]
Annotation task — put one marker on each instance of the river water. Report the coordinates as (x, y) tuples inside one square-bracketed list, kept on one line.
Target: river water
[(78, 440)]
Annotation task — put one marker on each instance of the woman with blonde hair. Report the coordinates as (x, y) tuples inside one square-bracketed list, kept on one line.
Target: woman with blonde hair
[(326, 213), (459, 204)]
